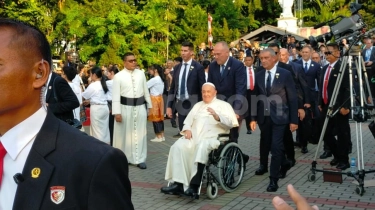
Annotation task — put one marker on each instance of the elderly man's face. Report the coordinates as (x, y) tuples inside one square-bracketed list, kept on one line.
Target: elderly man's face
[(284, 55), (221, 54), (315, 57), (208, 93), (268, 60)]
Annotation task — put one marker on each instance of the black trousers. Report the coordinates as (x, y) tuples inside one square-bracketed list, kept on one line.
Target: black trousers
[(111, 123), (338, 125), (197, 178), (183, 108), (158, 127), (289, 143), (272, 140)]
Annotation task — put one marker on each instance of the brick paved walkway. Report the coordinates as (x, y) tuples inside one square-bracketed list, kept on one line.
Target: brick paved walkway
[(252, 192)]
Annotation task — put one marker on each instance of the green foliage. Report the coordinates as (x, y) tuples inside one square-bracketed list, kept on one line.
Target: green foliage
[(103, 30)]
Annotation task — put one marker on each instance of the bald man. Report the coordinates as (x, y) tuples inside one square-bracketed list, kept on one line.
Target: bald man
[(189, 154)]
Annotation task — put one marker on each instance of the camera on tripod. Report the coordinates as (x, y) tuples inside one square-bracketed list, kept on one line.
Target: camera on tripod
[(347, 27)]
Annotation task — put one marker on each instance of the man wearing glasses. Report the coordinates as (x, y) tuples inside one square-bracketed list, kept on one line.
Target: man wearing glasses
[(339, 124), (130, 99)]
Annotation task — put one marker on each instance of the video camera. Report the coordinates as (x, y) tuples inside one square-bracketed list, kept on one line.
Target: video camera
[(347, 27)]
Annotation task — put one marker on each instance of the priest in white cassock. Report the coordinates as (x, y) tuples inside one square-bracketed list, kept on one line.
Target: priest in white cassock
[(189, 154), (130, 99)]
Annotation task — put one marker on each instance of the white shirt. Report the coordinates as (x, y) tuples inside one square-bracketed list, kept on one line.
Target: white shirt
[(77, 90), (156, 86), (206, 76), (95, 93), (186, 76), (308, 64), (325, 73), (273, 72), (77, 80), (248, 76), (18, 142), (109, 93)]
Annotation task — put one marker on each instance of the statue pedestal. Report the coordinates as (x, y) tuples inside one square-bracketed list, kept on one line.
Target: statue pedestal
[(288, 23)]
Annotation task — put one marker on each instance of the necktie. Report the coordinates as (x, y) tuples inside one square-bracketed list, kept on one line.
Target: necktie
[(2, 155), (183, 83), (222, 70), (251, 79), (268, 85), (306, 67), (325, 85)]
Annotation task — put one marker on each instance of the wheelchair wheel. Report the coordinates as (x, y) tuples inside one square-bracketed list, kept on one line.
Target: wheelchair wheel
[(231, 167), (212, 190)]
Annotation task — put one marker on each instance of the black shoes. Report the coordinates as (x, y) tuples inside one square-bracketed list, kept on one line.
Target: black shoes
[(261, 170), (248, 132), (191, 192), (297, 144), (292, 162), (174, 124), (177, 136), (325, 155), (142, 166), (174, 189), (272, 187), (304, 150), (342, 166), (334, 162)]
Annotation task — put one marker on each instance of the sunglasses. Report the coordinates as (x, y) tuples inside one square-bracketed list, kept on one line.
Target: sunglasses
[(328, 53), (132, 61)]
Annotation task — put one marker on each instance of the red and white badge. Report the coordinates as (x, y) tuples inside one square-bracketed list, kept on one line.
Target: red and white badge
[(57, 194)]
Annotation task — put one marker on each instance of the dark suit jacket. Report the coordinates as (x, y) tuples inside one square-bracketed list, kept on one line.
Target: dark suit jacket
[(312, 76), (196, 78), (232, 85), (344, 92), (301, 79), (372, 55), (67, 99), (94, 174), (282, 111)]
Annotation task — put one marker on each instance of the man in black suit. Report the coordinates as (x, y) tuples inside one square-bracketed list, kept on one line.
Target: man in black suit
[(54, 165), (276, 109), (368, 55), (229, 77), (185, 90), (250, 77), (339, 123), (64, 102), (312, 71)]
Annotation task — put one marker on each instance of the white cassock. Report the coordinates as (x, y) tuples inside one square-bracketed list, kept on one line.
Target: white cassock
[(184, 155), (130, 135)]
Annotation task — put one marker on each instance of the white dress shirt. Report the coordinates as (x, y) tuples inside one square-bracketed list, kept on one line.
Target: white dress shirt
[(248, 76), (95, 94), (18, 142), (156, 86), (186, 76), (273, 72), (308, 64)]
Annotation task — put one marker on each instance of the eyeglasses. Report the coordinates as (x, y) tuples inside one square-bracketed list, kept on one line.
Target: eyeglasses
[(328, 53), (132, 61)]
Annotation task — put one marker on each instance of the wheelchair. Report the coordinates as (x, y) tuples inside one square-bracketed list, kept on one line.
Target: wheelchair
[(229, 161)]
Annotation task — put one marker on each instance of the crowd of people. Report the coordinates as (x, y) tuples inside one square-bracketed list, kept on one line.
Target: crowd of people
[(280, 90)]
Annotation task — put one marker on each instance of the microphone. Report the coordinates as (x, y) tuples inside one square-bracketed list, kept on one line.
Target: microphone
[(320, 25), (18, 178)]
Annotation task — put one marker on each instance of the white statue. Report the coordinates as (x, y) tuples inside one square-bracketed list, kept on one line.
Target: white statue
[(287, 8)]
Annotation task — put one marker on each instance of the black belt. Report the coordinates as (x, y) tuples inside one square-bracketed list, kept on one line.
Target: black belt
[(133, 101)]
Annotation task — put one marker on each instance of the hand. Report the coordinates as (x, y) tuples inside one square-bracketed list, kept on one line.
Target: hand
[(300, 201), (237, 116), (86, 102), (320, 108), (169, 112), (148, 111), (344, 111), (213, 113), (293, 127), (188, 134), (307, 105), (118, 118), (369, 100), (253, 125), (368, 63), (301, 114)]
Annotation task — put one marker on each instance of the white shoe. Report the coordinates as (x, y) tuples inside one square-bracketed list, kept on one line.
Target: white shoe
[(156, 139)]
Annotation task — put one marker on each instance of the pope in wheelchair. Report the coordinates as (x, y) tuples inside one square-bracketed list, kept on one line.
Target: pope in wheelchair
[(189, 155)]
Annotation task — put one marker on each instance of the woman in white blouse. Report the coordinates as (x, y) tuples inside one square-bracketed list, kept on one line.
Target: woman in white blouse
[(95, 94), (156, 113), (69, 73)]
